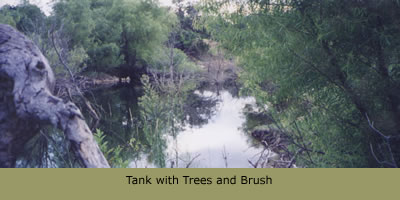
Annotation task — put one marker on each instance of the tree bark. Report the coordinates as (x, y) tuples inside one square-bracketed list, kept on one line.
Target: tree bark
[(27, 103)]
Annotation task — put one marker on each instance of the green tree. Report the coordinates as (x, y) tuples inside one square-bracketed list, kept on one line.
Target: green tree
[(75, 18), (6, 16), (119, 36), (26, 17), (186, 36), (325, 68)]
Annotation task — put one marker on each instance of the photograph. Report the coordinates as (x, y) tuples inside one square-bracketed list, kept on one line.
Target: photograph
[(199, 84)]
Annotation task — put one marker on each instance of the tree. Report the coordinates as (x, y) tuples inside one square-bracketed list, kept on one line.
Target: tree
[(119, 36), (188, 38), (76, 17), (322, 66)]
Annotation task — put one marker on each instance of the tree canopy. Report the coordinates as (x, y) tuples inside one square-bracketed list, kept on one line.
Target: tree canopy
[(325, 68)]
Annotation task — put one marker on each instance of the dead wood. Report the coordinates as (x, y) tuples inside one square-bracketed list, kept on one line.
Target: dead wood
[(27, 103)]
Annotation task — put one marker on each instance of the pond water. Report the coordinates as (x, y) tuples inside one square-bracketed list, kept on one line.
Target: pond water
[(211, 135)]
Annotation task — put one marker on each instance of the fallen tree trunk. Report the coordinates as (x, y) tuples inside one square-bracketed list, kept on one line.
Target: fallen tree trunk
[(27, 103)]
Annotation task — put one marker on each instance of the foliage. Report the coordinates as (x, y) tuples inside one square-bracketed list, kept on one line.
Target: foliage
[(113, 155), (26, 18), (5, 18), (114, 33), (322, 66), (188, 38), (50, 149), (120, 37), (76, 19), (30, 20), (119, 122), (161, 111), (180, 61), (109, 34)]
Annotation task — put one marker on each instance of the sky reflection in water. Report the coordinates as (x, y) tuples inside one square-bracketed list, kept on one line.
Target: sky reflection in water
[(222, 133)]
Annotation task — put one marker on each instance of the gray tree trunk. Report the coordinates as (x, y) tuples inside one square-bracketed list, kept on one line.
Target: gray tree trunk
[(27, 103)]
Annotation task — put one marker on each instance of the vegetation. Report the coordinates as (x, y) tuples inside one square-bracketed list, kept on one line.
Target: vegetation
[(328, 71), (325, 73)]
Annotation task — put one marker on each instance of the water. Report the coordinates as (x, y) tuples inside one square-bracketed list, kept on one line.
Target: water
[(221, 142), (214, 140)]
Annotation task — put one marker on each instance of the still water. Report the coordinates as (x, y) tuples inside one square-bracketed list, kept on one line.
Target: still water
[(217, 142), (221, 142)]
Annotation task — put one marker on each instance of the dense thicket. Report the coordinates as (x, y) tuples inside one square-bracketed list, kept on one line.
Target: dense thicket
[(327, 69), (325, 73), (118, 37), (188, 38)]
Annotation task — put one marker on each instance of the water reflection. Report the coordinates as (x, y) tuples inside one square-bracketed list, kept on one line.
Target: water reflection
[(218, 143), (118, 109), (210, 133), (199, 109)]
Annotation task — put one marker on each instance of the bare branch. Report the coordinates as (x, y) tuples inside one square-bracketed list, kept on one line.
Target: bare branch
[(380, 162), (386, 139), (192, 160), (51, 35), (371, 124), (294, 158)]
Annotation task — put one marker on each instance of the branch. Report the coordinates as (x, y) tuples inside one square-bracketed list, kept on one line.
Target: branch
[(92, 112), (381, 162), (59, 55), (192, 160), (387, 143), (294, 158), (371, 124)]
